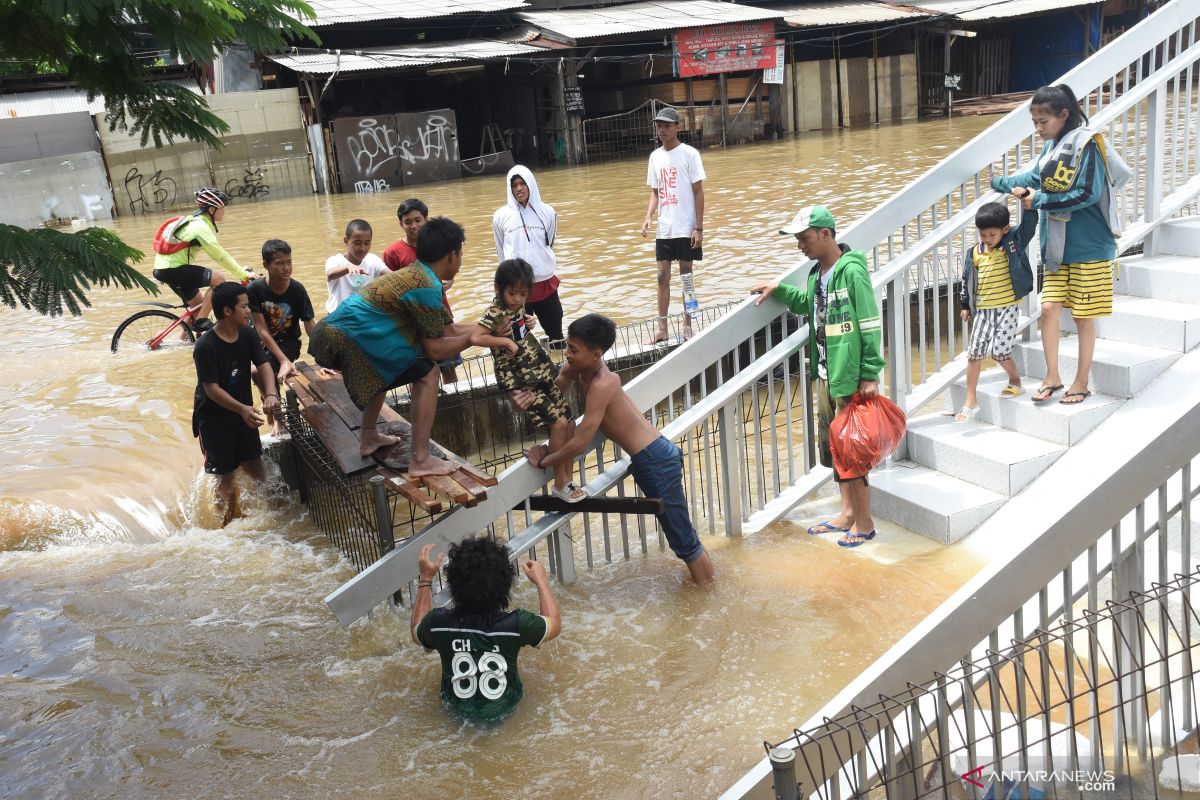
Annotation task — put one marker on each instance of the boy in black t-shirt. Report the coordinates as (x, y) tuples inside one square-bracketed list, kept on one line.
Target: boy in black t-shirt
[(280, 305), (224, 417)]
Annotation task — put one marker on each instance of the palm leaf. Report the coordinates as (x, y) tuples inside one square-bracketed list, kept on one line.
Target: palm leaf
[(47, 269)]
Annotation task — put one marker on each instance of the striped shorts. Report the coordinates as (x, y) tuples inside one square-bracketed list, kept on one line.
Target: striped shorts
[(1086, 288), (993, 331)]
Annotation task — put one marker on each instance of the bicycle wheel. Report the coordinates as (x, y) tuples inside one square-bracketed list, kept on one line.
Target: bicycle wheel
[(138, 331)]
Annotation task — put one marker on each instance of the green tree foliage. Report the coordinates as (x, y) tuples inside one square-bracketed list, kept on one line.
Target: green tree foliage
[(93, 42)]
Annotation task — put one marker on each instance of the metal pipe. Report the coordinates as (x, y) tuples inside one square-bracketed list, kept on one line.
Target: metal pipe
[(783, 772)]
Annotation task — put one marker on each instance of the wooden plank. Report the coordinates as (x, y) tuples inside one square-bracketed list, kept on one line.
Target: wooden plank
[(399, 484), (596, 505), (397, 425), (475, 472), (299, 386), (333, 392), (340, 441), (447, 487), (470, 484)]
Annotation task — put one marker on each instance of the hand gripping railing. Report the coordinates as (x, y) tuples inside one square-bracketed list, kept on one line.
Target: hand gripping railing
[(736, 396)]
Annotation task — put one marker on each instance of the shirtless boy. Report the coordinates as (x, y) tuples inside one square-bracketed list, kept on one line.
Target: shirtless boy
[(656, 463)]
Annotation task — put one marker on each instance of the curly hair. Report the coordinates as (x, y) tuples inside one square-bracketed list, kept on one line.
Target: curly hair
[(480, 575)]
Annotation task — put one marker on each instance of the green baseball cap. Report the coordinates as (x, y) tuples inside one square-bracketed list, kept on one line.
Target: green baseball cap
[(808, 217)]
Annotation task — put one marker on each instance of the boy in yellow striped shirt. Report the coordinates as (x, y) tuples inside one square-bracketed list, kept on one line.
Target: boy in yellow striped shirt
[(996, 276)]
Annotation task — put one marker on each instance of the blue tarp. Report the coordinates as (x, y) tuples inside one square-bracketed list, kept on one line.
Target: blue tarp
[(1045, 47)]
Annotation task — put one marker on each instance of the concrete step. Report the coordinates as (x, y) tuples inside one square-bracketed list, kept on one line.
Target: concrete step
[(1179, 237), (1052, 421), (929, 502), (1119, 369), (1169, 277), (998, 459), (1148, 321)]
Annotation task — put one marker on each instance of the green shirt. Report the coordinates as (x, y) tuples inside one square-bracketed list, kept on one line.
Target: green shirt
[(853, 336), (479, 658)]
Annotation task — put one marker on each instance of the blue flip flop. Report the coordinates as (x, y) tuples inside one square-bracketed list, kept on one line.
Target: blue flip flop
[(829, 527), (862, 538)]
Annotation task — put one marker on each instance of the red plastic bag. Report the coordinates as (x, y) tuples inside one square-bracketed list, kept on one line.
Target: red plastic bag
[(864, 433)]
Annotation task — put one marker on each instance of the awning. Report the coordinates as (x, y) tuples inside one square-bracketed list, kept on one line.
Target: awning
[(444, 53), (974, 11), (335, 12), (589, 23), (845, 12)]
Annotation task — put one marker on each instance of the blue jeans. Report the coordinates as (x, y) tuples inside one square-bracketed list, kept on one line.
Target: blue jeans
[(658, 472)]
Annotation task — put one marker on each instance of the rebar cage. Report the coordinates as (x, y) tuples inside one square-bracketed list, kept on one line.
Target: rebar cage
[(1100, 705), (474, 421)]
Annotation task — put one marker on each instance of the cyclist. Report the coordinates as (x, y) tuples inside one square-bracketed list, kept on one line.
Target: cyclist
[(176, 240)]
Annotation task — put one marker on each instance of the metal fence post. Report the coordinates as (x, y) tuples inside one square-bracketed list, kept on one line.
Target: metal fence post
[(783, 772), (1156, 117), (564, 555), (731, 467), (898, 368)]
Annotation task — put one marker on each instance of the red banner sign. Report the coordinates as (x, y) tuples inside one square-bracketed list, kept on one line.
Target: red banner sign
[(725, 48)]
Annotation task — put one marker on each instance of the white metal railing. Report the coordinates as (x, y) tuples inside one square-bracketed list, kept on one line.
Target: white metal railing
[(1109, 527), (736, 397)]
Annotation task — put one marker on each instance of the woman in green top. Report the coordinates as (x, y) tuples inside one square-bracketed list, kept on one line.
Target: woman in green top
[(177, 239)]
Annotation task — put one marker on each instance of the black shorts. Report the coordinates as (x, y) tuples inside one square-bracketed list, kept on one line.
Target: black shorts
[(185, 281), (677, 250), (227, 445)]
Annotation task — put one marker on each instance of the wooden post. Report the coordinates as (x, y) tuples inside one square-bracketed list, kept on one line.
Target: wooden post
[(723, 93), (875, 65), (946, 69), (791, 58), (837, 71), (691, 101)]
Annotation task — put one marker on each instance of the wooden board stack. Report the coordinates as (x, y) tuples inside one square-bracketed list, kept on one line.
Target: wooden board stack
[(327, 407)]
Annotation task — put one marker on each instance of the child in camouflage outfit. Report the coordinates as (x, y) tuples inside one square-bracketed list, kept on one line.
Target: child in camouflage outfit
[(522, 363)]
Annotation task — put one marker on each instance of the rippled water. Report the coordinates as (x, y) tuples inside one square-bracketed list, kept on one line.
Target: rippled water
[(146, 655)]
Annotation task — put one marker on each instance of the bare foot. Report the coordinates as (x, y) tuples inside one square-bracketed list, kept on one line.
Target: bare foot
[(431, 465), (660, 336), (372, 441), (276, 428), (688, 332)]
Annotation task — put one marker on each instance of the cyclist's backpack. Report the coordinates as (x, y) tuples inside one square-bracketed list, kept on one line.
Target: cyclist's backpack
[(162, 240)]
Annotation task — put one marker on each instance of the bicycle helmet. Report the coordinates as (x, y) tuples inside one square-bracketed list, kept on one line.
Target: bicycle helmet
[(212, 198)]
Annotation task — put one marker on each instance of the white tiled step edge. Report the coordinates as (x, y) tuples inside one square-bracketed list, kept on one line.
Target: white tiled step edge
[(1052, 421), (1148, 321), (1001, 460), (1174, 278), (1119, 369), (929, 502), (1180, 236)]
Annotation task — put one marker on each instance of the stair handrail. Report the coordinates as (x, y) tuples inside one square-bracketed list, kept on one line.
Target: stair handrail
[(933, 190)]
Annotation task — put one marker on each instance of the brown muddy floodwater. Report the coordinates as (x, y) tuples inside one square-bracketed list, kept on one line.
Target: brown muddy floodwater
[(145, 654)]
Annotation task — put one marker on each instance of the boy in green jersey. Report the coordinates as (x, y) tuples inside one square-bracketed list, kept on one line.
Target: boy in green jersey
[(476, 636), (845, 353)]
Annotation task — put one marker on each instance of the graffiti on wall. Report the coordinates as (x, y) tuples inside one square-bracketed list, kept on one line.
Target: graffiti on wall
[(397, 148), (370, 187), (146, 193), (252, 185)]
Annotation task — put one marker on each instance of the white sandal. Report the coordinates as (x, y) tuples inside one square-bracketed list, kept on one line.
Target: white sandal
[(567, 493), (966, 414)]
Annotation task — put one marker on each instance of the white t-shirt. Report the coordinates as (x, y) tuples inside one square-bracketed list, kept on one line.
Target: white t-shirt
[(672, 173), (343, 287)]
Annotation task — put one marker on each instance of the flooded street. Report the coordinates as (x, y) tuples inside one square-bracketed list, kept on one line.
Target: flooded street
[(147, 655)]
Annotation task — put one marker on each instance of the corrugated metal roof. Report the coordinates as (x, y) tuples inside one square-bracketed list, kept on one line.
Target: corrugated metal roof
[(401, 57), (334, 12), (587, 23), (57, 101), (844, 12), (976, 11)]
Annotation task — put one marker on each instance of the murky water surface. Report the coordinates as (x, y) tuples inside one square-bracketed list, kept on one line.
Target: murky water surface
[(145, 654)]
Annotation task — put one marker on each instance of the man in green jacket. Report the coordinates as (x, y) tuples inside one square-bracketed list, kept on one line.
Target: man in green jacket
[(845, 348)]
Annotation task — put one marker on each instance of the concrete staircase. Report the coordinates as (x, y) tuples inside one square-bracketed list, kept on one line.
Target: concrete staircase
[(956, 475)]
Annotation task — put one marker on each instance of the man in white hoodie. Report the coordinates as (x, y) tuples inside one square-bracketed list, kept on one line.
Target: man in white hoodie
[(525, 227)]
